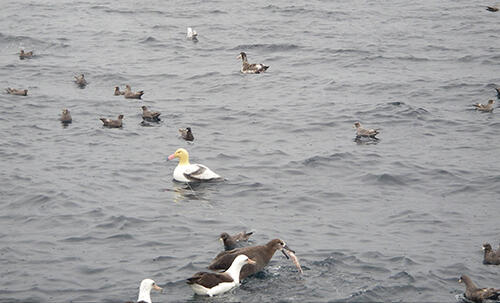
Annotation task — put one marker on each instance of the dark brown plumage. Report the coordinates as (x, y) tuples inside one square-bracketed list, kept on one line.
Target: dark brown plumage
[(80, 81), (112, 123), (186, 134), (261, 254), (209, 279), (18, 92), (231, 242), (129, 94), (492, 8), (118, 92), (476, 294), (498, 92), (248, 68), (25, 55), (149, 115), (491, 256)]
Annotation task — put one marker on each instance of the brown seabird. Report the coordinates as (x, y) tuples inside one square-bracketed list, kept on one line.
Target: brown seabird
[(112, 123), (476, 294), (231, 242), (491, 256), (18, 92), (25, 55), (149, 115), (118, 92), (210, 284), (66, 116), (262, 254), (186, 134), (484, 107), (80, 81), (363, 132), (248, 68), (129, 94)]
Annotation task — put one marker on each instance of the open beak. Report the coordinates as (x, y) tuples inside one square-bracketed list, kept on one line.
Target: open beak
[(250, 261), (158, 288), (171, 157)]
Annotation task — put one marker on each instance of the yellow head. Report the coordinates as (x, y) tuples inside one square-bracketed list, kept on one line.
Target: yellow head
[(183, 156)]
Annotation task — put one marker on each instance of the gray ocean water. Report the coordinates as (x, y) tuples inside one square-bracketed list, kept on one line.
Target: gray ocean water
[(86, 212)]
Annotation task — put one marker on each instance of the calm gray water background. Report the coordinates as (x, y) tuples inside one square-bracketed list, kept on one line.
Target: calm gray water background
[(86, 213)]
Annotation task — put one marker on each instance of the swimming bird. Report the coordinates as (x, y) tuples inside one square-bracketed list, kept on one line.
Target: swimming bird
[(248, 68), (118, 92), (112, 123), (186, 133), (262, 254), (191, 34), (149, 115), (80, 80), (491, 256), (129, 94), (18, 92), (66, 116), (492, 8), (484, 107), (210, 284), (186, 172), (231, 242), (363, 132), (475, 294), (25, 55), (145, 291)]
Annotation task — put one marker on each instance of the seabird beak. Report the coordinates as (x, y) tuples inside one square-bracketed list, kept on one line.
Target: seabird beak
[(239, 56), (171, 157), (220, 239), (158, 288), (288, 248), (285, 254), (459, 280), (250, 261)]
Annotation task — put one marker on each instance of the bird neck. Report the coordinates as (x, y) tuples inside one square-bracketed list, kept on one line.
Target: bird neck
[(234, 271), (468, 282), (184, 160), (144, 296)]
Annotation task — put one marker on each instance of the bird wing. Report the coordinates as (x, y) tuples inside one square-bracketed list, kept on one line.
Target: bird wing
[(198, 172), (209, 280), (242, 236)]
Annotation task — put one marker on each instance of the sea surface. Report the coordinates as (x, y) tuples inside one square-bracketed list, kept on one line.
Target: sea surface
[(87, 212)]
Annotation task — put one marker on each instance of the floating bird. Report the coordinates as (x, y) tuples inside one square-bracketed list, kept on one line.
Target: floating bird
[(18, 92), (186, 172), (231, 242), (492, 8), (149, 115), (118, 92), (25, 55), (484, 107), (210, 284), (66, 116), (491, 256), (129, 94), (145, 291), (475, 294), (186, 133), (248, 68), (363, 132), (80, 80), (262, 254), (191, 34), (112, 123)]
